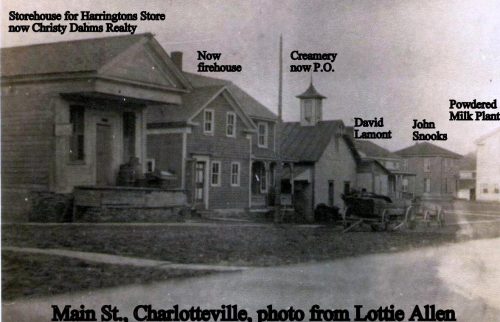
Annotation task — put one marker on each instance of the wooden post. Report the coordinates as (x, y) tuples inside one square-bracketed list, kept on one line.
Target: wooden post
[(277, 148)]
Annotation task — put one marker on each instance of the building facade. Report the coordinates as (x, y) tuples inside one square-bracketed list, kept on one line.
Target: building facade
[(320, 159), (467, 177), (488, 167), (219, 147), (74, 118), (383, 172), (436, 170)]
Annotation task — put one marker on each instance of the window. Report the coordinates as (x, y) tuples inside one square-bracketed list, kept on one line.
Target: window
[(308, 110), (495, 188), (150, 165), (215, 173), (77, 142), (208, 121), (427, 165), (262, 135), (484, 187), (235, 174), (347, 187), (231, 124), (427, 185), (405, 165), (331, 191), (128, 135)]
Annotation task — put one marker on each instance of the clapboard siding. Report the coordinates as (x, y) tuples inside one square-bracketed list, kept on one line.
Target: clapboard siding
[(225, 150), (27, 138)]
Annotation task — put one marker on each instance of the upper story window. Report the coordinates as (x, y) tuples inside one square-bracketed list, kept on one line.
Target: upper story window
[(427, 165), (208, 121), (405, 164), (484, 187), (231, 124), (262, 135), (77, 141)]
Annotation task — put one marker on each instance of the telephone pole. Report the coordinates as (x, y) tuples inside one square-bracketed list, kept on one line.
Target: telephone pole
[(279, 124)]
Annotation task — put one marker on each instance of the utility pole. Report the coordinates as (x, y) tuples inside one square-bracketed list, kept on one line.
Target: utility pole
[(279, 125)]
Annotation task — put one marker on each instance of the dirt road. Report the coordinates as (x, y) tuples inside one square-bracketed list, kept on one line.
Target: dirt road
[(463, 277)]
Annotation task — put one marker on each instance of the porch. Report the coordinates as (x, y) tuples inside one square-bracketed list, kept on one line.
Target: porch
[(263, 184), (125, 204)]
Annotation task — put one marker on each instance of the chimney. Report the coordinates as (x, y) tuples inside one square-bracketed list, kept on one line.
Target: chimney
[(177, 58)]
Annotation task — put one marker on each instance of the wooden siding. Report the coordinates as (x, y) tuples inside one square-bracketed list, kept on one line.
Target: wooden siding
[(226, 150), (27, 138), (166, 150)]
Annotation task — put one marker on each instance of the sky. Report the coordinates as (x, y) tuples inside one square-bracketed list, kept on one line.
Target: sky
[(400, 60)]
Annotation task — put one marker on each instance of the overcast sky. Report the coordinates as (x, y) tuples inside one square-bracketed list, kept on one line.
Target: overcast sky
[(396, 59)]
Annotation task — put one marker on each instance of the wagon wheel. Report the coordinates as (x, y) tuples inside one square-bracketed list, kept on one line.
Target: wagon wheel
[(412, 223), (384, 226)]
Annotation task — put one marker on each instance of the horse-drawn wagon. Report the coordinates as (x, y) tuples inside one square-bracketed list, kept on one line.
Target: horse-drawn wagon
[(381, 213)]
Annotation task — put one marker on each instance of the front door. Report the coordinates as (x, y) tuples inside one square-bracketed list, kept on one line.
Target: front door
[(199, 184), (104, 155)]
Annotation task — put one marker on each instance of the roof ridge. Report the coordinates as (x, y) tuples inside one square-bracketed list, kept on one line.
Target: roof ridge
[(147, 34), (209, 77)]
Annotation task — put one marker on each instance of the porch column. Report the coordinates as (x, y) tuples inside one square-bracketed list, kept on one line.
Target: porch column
[(266, 175)]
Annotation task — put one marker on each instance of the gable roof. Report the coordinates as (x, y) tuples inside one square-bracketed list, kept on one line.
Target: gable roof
[(311, 92), (84, 55), (162, 115), (487, 136), (64, 56), (363, 163), (307, 143), (468, 162), (170, 115), (427, 149), (249, 104), (372, 150)]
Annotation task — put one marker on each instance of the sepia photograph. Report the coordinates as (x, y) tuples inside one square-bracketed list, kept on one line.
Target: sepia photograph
[(250, 160)]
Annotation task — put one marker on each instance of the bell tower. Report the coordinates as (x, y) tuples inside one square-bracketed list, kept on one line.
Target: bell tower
[(311, 106)]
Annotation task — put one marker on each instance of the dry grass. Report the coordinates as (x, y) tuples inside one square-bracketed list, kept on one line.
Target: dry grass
[(25, 276), (222, 244)]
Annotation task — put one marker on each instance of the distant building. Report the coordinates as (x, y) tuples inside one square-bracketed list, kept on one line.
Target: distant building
[(467, 177), (320, 159), (436, 170), (383, 172), (488, 167)]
